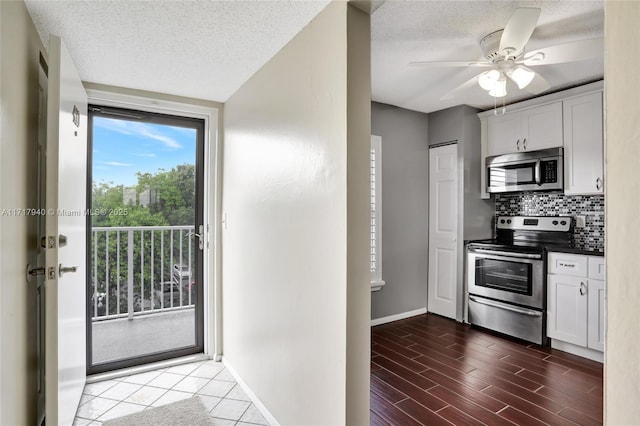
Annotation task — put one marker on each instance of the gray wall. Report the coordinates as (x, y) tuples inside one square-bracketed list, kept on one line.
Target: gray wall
[(475, 218), (405, 209), (461, 123), (406, 136)]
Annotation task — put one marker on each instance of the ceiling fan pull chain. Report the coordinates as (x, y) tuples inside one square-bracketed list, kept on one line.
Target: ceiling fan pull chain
[(503, 110)]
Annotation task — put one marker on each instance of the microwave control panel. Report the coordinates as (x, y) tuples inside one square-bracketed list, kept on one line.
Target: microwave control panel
[(550, 171)]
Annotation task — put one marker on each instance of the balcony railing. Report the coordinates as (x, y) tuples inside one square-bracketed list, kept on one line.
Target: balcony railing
[(141, 270)]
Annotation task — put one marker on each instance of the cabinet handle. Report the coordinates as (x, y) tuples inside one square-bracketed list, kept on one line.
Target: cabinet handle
[(518, 144), (524, 143), (598, 184), (583, 289)]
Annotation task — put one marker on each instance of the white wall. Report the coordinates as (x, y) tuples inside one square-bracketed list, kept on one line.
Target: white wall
[(622, 104), (288, 299), (19, 67)]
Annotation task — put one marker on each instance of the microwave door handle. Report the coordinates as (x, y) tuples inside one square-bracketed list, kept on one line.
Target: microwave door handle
[(538, 173)]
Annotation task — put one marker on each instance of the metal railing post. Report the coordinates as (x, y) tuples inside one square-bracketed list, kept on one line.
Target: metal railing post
[(130, 274)]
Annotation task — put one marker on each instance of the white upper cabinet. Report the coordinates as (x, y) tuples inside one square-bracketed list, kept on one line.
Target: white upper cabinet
[(503, 132), (526, 130), (583, 145), (572, 119)]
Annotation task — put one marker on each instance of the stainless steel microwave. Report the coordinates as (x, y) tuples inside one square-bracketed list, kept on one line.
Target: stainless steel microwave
[(525, 171)]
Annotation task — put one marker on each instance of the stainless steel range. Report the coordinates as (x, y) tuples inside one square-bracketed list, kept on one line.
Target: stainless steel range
[(506, 276)]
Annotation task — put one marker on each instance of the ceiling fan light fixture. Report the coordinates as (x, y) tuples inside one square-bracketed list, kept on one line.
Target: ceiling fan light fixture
[(522, 76), (499, 89), (487, 80)]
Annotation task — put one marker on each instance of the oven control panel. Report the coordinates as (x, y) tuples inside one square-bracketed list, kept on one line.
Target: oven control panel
[(535, 223)]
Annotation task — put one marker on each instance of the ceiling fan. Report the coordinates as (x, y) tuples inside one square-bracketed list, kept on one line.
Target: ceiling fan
[(504, 52)]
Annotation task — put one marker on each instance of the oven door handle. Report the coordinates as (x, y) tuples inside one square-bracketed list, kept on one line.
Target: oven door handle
[(506, 253), (506, 307)]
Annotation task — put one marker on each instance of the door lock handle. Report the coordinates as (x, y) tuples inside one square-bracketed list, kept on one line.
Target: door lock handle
[(66, 269), (199, 234)]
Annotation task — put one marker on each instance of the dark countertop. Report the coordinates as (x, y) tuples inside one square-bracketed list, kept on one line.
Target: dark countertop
[(578, 250), (558, 249)]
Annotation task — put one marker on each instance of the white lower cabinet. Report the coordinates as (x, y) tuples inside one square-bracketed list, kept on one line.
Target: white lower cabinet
[(567, 309), (576, 300)]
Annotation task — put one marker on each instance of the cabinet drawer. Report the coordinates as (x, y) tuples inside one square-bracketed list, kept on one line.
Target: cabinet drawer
[(567, 264), (597, 268)]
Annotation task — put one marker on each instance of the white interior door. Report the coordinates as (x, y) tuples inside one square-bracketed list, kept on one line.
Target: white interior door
[(443, 230), (65, 305)]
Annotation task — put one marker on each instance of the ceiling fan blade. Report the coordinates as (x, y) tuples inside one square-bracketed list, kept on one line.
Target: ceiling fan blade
[(537, 85), (438, 64), (519, 28), (473, 81), (566, 52)]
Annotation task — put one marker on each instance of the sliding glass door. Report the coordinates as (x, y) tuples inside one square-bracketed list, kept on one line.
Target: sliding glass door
[(145, 217)]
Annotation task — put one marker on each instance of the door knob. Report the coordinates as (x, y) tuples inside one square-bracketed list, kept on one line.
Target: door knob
[(65, 269)]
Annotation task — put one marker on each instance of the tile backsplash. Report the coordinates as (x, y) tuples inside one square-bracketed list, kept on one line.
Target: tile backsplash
[(591, 237)]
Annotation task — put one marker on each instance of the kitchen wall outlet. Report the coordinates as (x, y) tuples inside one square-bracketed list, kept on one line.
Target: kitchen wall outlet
[(580, 222)]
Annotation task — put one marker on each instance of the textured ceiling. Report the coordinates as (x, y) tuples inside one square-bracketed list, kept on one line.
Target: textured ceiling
[(406, 31), (201, 49), (208, 49)]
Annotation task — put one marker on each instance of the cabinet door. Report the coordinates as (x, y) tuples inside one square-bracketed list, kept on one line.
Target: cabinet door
[(567, 309), (503, 134), (583, 145), (542, 127), (596, 308)]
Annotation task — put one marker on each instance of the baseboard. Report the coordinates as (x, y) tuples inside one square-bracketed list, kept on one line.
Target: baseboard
[(578, 350), (397, 317), (256, 401)]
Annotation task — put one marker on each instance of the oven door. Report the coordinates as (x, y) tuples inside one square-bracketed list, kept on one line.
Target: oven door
[(505, 276)]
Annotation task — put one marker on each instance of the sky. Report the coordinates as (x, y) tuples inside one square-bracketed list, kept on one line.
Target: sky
[(121, 148)]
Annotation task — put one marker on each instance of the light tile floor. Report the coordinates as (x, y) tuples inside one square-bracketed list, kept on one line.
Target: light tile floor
[(225, 400)]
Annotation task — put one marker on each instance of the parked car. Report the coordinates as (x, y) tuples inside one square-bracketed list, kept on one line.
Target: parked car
[(181, 275), (101, 304), (165, 292)]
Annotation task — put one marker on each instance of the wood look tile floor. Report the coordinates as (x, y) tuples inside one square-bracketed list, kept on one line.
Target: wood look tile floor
[(429, 370)]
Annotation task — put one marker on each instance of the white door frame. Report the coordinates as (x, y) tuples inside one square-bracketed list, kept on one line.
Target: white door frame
[(210, 112)]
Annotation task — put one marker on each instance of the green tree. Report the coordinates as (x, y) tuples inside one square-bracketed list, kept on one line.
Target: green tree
[(174, 205)]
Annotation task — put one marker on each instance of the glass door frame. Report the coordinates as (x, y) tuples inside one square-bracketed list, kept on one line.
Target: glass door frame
[(96, 109)]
